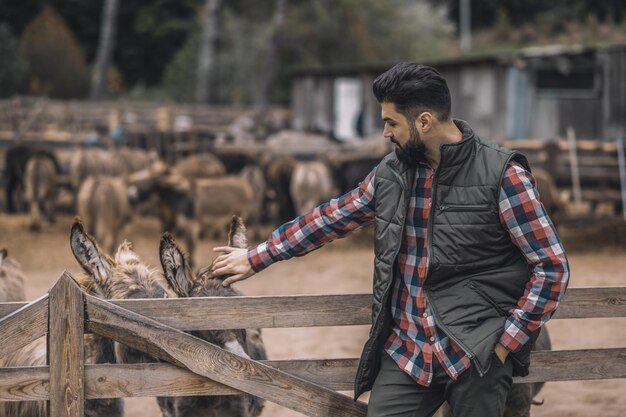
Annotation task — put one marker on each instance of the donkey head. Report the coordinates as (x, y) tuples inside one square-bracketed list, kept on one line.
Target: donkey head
[(122, 277), (178, 273)]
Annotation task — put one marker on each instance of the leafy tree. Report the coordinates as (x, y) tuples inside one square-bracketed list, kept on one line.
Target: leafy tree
[(12, 65), (56, 65)]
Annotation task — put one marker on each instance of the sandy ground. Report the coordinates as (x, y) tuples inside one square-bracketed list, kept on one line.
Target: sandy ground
[(343, 267)]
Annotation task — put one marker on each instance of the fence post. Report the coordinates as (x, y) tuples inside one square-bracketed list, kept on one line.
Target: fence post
[(573, 160), (65, 348)]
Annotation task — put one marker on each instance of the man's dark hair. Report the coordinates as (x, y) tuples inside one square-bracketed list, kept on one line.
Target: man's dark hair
[(413, 89)]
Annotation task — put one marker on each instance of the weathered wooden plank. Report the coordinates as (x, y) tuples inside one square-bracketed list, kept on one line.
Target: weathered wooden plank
[(23, 325), (205, 359), (593, 303), (263, 312), (162, 379), (105, 381), (321, 310), (8, 308), (66, 348), (24, 383), (569, 365)]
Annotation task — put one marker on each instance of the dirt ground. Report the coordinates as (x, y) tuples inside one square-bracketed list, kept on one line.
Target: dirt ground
[(343, 267)]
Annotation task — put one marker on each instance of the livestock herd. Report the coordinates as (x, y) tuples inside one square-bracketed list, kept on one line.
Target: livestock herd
[(192, 198)]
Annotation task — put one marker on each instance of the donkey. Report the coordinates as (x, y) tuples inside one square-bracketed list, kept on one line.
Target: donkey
[(97, 349), (105, 203), (11, 279), (244, 342), (122, 277), (40, 186)]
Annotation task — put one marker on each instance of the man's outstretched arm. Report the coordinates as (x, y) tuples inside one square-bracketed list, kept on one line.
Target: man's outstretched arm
[(310, 231)]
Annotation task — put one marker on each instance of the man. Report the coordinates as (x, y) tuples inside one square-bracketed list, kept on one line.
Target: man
[(468, 265)]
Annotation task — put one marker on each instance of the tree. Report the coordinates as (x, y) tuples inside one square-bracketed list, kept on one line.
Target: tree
[(271, 59), (105, 49), (208, 51), (56, 64), (12, 65)]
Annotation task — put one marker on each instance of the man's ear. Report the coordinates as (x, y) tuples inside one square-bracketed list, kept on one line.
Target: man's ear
[(96, 263), (424, 122)]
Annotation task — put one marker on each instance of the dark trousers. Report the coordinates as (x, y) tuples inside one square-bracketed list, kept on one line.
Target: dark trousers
[(396, 394)]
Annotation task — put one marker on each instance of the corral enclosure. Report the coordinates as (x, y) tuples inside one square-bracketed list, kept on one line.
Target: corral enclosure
[(345, 267), (342, 267)]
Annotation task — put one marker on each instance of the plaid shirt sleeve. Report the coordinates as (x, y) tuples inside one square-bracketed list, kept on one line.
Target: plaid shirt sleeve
[(321, 225), (530, 228)]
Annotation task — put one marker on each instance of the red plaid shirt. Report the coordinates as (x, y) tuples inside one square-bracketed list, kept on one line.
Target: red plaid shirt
[(415, 337)]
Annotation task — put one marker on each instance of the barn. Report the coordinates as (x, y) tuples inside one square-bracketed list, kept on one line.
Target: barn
[(535, 92)]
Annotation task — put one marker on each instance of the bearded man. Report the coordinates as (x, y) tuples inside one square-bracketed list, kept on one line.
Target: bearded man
[(468, 265)]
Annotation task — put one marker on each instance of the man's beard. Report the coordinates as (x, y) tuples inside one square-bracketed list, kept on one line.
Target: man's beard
[(414, 150)]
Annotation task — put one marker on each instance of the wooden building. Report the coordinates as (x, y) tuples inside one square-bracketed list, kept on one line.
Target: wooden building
[(531, 93)]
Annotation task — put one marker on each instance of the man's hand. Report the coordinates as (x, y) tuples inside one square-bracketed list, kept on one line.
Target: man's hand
[(232, 261), (502, 352)]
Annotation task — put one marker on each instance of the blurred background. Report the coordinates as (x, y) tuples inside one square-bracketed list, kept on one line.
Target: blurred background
[(144, 116)]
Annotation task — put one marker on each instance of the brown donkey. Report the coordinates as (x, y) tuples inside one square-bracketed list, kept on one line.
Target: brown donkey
[(124, 277), (243, 342), (97, 350)]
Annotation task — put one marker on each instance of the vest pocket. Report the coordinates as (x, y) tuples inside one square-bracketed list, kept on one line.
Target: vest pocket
[(483, 294)]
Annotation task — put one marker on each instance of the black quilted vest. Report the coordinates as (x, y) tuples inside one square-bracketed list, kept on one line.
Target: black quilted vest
[(475, 273)]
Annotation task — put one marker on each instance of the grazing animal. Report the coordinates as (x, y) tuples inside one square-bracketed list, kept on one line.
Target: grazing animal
[(349, 171), (311, 184), (103, 203), (96, 162), (278, 173), (549, 196), (11, 279), (97, 350), (253, 174), (520, 396), (123, 277), (204, 165), (190, 208), (40, 190), (243, 342), (16, 159)]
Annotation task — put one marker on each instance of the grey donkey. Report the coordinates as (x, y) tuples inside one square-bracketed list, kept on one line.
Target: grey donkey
[(97, 350), (244, 342), (124, 277)]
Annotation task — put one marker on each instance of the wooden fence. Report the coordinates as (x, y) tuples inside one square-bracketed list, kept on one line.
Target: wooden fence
[(199, 368)]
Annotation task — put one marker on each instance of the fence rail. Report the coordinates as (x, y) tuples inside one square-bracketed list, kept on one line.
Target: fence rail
[(199, 368)]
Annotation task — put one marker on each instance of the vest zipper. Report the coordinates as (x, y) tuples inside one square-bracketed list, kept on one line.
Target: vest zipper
[(459, 207), (429, 234), (406, 205)]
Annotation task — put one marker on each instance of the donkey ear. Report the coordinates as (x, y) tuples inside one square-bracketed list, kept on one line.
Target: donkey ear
[(237, 234), (88, 254), (175, 266), (3, 255)]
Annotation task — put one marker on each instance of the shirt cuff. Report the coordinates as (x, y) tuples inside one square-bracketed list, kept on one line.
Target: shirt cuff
[(259, 257), (515, 335)]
